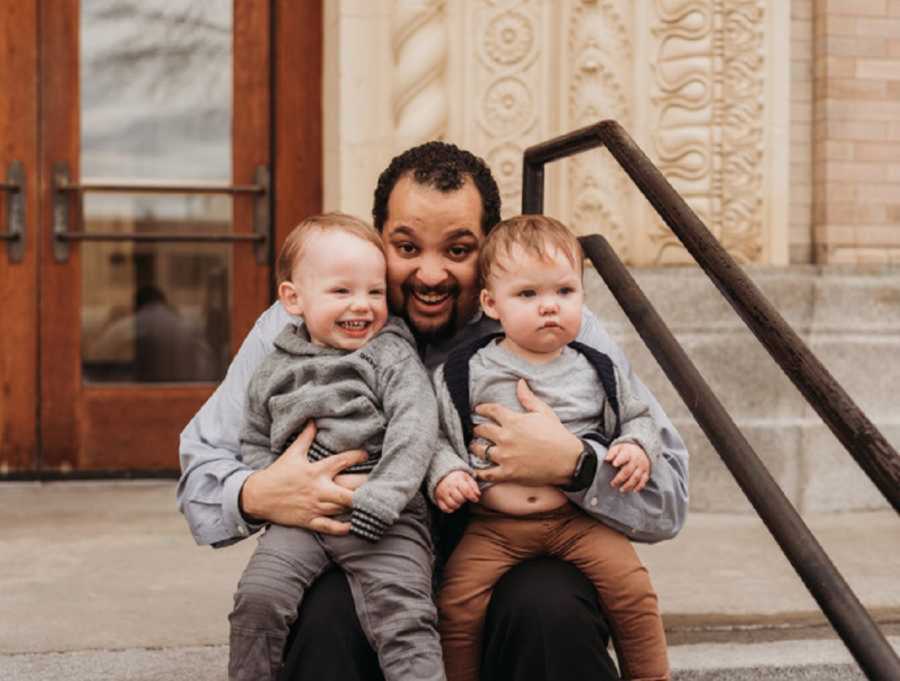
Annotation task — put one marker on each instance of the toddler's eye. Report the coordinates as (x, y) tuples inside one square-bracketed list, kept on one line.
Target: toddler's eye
[(566, 290), (527, 293)]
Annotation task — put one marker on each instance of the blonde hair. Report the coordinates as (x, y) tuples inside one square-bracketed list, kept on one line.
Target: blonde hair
[(292, 249), (535, 234)]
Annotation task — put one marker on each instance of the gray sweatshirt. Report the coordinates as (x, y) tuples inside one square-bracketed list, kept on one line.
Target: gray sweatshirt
[(569, 385), (377, 398)]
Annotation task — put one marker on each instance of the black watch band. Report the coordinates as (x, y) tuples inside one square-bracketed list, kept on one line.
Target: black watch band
[(585, 469)]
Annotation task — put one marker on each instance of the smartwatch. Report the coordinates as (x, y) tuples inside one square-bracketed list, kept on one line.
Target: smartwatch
[(585, 469)]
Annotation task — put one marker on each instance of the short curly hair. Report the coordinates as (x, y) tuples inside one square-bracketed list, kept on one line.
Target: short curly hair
[(444, 167)]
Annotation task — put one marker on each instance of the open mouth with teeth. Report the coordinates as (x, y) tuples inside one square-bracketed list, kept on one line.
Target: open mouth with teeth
[(431, 298), (355, 327), (431, 303)]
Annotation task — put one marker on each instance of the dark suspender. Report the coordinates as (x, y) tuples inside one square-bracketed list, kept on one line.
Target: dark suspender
[(450, 527), (456, 376)]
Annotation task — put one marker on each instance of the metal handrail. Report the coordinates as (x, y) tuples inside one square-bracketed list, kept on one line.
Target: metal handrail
[(14, 235), (851, 621), (158, 237), (64, 189), (823, 580), (158, 188), (840, 413)]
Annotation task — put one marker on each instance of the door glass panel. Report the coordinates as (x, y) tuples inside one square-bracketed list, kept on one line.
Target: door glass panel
[(155, 78)]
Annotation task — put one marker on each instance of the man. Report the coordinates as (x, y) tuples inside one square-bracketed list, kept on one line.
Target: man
[(433, 205)]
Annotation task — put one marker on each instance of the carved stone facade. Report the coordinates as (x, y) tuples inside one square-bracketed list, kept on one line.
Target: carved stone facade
[(709, 114), (700, 84)]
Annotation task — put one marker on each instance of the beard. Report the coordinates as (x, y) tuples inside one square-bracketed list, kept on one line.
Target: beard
[(430, 329)]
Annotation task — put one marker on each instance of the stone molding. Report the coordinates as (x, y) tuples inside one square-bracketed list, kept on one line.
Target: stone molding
[(700, 84)]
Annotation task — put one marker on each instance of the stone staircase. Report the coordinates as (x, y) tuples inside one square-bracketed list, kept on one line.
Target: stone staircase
[(850, 318)]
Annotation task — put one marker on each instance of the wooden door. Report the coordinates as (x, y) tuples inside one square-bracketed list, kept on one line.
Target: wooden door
[(147, 134), (18, 217)]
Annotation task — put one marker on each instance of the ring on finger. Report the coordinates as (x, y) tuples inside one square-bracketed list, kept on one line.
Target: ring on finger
[(487, 453)]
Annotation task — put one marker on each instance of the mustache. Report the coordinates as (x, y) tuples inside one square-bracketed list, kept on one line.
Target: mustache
[(448, 287)]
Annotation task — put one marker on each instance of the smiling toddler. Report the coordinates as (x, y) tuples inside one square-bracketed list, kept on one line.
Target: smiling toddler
[(353, 370)]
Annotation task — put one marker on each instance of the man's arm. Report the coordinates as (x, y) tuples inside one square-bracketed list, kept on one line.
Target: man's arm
[(212, 473), (291, 491), (658, 511)]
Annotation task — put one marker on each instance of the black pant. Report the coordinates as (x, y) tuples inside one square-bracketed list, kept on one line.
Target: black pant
[(544, 622)]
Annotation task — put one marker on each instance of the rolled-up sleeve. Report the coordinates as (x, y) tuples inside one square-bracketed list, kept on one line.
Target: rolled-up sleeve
[(659, 510), (212, 472)]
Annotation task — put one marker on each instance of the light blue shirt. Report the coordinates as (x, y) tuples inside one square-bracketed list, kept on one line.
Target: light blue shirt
[(212, 474)]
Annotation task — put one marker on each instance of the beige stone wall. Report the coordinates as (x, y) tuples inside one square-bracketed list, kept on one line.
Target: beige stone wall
[(856, 153), (778, 121), (701, 85)]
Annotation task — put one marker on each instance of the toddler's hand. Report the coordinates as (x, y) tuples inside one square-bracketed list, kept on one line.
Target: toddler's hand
[(633, 464), (454, 490)]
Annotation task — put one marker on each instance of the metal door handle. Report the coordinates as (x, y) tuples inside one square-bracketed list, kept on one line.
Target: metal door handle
[(14, 236), (63, 188)]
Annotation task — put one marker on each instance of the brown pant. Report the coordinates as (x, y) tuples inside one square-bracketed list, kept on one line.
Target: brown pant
[(493, 543)]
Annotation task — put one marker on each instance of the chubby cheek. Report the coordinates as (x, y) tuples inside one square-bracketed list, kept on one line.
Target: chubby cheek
[(398, 271), (380, 312), (571, 318)]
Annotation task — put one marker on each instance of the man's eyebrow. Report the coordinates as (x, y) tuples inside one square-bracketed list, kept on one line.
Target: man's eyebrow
[(460, 234), (404, 231)]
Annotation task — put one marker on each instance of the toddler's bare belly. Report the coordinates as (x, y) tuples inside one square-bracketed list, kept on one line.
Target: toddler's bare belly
[(515, 499)]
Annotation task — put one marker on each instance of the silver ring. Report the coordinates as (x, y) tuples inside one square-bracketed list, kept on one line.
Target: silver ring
[(487, 453)]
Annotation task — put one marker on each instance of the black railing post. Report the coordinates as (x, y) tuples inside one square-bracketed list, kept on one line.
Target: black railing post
[(865, 443), (846, 614)]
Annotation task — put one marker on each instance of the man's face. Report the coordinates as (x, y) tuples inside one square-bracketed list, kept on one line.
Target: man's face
[(431, 240)]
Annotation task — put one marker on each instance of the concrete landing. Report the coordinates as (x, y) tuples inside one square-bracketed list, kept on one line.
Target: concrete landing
[(103, 581)]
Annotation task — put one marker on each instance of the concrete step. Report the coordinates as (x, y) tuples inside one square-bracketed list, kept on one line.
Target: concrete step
[(850, 319), (808, 660), (101, 580)]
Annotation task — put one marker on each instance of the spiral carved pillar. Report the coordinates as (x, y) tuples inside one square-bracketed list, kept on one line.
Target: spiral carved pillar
[(419, 97)]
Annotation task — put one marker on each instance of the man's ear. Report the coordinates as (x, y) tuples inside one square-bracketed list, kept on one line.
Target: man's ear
[(290, 298), (488, 304)]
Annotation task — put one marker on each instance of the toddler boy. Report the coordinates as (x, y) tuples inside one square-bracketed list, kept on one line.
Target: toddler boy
[(531, 270), (355, 372)]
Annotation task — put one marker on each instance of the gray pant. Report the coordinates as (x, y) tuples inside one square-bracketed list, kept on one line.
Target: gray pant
[(391, 585)]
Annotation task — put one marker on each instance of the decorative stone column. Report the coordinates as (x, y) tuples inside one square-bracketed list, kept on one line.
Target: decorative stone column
[(419, 90)]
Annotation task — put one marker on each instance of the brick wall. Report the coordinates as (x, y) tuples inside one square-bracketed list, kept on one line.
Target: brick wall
[(856, 131), (801, 192)]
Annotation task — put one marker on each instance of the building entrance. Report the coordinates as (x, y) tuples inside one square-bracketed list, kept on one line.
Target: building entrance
[(138, 215)]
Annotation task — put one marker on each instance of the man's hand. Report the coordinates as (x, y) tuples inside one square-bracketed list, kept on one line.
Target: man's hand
[(633, 464), (533, 448), (454, 490), (292, 491)]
